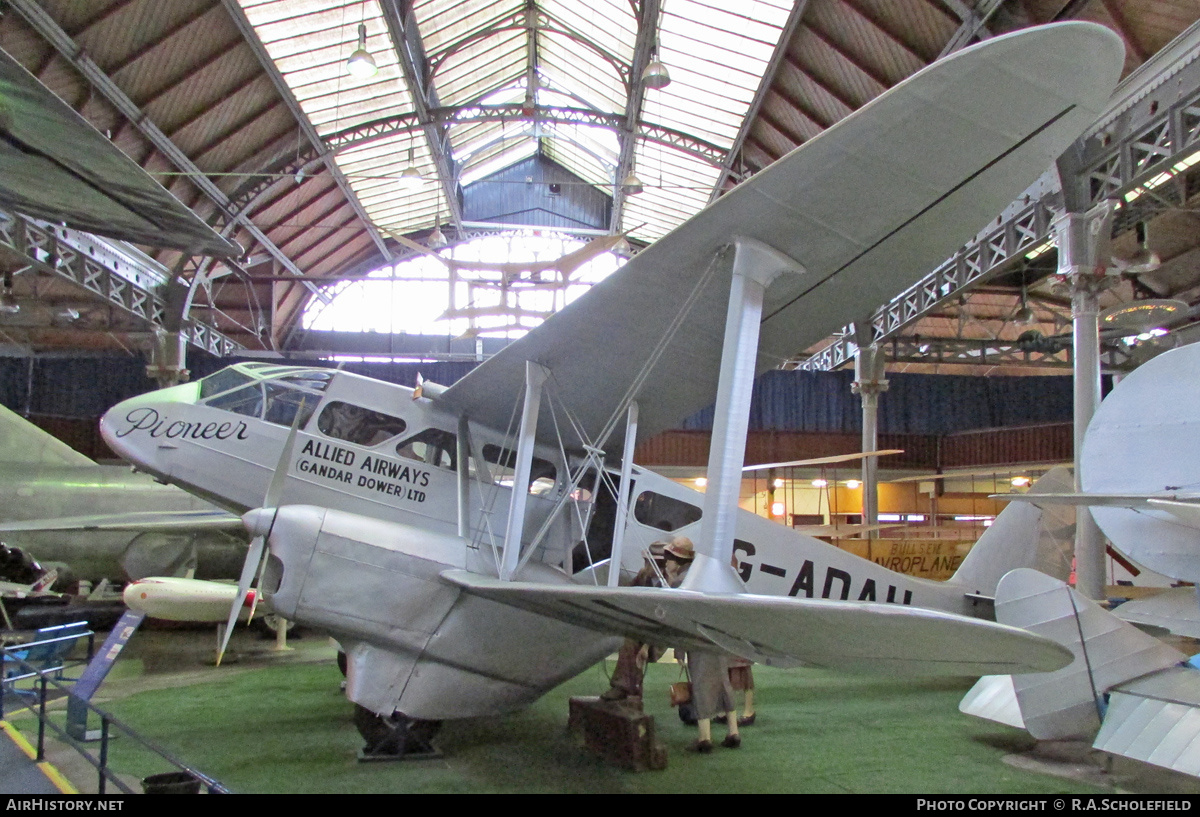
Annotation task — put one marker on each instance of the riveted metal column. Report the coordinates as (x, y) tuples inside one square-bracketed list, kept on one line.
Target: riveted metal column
[(755, 265), (1083, 259), (869, 383)]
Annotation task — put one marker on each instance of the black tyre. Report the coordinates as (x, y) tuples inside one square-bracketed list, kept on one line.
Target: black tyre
[(397, 735)]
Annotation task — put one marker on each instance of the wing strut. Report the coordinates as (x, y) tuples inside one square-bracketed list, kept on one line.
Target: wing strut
[(755, 266), (462, 455), (626, 488), (535, 376)]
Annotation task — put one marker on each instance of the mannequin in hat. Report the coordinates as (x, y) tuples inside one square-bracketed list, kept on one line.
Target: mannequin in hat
[(665, 560)]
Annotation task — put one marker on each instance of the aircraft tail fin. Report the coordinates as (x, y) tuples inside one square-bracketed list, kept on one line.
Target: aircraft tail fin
[(1070, 703), (23, 442), (1023, 535)]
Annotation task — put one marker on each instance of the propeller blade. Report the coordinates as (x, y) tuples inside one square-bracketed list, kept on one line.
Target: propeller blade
[(262, 568), (255, 563), (275, 489), (249, 568)]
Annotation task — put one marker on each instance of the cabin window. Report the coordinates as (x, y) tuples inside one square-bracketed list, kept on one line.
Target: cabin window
[(317, 381), (355, 424), (222, 381), (664, 512), (247, 401), (283, 403), (542, 472), (433, 446)]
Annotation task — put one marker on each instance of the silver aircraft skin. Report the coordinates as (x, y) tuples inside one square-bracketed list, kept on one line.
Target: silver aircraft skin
[(387, 517), (391, 508), (103, 521)]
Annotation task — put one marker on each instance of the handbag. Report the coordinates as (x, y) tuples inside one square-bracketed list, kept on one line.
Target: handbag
[(681, 692)]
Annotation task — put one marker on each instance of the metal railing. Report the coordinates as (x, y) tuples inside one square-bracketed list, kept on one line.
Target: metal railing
[(35, 699)]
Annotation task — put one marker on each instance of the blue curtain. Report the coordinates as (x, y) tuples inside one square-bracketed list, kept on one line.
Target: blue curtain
[(85, 387)]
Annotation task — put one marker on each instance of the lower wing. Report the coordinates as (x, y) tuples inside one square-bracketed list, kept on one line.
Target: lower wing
[(860, 636)]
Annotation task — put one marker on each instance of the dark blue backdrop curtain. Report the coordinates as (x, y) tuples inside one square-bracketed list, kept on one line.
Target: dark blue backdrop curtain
[(84, 387)]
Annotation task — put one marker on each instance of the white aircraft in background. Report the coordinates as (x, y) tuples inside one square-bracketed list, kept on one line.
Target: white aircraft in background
[(455, 543), (105, 521), (1125, 691)]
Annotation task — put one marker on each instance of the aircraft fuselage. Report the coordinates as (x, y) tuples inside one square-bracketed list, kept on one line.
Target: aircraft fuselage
[(370, 517)]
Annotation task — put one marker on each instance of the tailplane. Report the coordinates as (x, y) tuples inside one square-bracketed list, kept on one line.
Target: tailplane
[(1125, 692)]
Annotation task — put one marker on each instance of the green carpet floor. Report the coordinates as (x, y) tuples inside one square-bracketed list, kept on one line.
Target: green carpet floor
[(287, 728)]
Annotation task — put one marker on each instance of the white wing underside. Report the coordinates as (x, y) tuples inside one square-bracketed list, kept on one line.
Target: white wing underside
[(859, 636)]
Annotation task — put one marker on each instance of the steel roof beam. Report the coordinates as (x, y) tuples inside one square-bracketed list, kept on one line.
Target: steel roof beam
[(764, 87), (38, 246), (974, 23), (410, 50), (647, 37), (310, 133), (53, 33), (286, 165)]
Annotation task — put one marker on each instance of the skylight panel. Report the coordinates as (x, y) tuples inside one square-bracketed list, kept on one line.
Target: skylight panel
[(445, 22), (583, 73), (608, 23), (479, 67)]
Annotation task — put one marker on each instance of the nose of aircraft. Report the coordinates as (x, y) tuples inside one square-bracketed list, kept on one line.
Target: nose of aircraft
[(258, 521), (131, 427)]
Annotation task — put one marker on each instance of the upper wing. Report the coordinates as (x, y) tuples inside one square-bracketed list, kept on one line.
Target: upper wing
[(865, 636), (867, 208), (153, 521)]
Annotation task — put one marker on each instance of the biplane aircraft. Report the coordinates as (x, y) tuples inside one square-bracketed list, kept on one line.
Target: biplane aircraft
[(465, 544)]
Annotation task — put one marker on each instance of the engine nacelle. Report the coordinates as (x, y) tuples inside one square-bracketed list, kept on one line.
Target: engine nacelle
[(417, 644)]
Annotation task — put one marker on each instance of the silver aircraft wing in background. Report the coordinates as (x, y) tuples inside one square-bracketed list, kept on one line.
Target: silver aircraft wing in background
[(144, 521), (55, 166)]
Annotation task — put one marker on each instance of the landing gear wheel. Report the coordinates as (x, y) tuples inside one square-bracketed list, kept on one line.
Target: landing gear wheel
[(396, 738)]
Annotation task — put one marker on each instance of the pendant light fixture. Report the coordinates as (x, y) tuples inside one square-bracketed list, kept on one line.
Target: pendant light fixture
[(361, 64)]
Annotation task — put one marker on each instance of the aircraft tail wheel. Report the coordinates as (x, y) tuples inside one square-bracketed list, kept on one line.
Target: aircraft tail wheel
[(396, 738)]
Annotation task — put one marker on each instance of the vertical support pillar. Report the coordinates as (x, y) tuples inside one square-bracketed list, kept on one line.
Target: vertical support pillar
[(755, 265), (626, 488), (869, 383), (535, 376), (1083, 260), (168, 359)]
